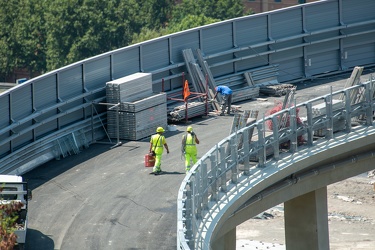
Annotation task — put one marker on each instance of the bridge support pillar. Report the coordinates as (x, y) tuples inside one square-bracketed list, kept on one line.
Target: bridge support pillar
[(306, 221), (226, 242)]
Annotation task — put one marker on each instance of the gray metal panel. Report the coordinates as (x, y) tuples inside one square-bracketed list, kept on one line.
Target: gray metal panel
[(357, 11), (155, 55), (21, 102), (71, 117), (47, 127), (187, 40), (367, 30), (251, 30), (286, 55), (97, 72), (253, 62), (324, 35), (4, 111), (125, 62), (24, 138), (5, 148), (4, 122), (45, 92), (223, 69), (316, 19), (324, 62), (359, 55), (287, 44), (286, 23), (217, 38), (291, 64), (291, 69), (70, 83), (323, 47)]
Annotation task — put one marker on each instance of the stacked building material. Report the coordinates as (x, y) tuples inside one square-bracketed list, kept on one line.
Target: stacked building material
[(140, 111), (245, 93), (178, 113), (276, 89), (138, 125), (129, 88)]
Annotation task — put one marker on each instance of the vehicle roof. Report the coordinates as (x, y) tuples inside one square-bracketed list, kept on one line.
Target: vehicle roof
[(10, 178)]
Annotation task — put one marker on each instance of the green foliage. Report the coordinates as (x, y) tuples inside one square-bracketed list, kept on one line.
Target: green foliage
[(215, 9), (8, 222), (42, 35)]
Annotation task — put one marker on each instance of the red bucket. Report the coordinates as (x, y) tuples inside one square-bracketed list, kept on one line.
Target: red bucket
[(149, 160)]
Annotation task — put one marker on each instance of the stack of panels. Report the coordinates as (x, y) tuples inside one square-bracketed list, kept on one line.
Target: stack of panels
[(245, 93), (194, 109), (136, 126), (129, 88), (145, 103)]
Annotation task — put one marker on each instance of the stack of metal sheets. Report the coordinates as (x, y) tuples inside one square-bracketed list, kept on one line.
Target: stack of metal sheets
[(140, 111), (136, 126), (129, 88), (194, 109), (245, 93)]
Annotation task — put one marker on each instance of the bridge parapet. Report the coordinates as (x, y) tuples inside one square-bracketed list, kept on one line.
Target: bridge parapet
[(248, 156)]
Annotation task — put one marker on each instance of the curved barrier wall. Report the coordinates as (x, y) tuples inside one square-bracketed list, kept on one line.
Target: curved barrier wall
[(55, 115), (250, 160)]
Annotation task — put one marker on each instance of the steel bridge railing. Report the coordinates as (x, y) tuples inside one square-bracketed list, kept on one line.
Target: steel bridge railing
[(213, 179)]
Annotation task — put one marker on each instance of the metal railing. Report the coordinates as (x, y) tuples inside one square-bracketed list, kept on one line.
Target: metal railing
[(214, 179)]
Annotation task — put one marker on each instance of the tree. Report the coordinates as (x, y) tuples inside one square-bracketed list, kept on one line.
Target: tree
[(215, 9)]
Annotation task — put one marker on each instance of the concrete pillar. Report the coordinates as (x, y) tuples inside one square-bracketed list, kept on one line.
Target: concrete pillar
[(226, 242), (306, 221)]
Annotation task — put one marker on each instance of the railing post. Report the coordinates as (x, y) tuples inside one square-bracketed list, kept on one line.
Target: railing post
[(293, 129), (234, 158), (197, 194), (276, 135), (348, 110), (204, 186), (369, 108), (213, 178), (188, 219), (310, 130), (222, 170), (246, 149), (261, 146), (329, 115)]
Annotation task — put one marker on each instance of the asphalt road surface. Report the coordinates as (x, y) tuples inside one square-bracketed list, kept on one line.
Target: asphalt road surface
[(105, 198)]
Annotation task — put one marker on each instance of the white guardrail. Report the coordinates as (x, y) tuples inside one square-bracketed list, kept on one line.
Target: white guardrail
[(212, 179)]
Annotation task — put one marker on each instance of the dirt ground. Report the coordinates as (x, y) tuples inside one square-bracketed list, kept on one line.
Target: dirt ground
[(351, 219)]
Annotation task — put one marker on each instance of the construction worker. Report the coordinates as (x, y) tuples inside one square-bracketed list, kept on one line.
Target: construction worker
[(226, 94), (156, 148), (189, 148)]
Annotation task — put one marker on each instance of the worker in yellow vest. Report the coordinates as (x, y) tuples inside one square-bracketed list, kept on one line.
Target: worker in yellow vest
[(189, 147), (156, 148)]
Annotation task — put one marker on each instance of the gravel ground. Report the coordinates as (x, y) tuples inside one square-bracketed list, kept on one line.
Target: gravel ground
[(351, 219)]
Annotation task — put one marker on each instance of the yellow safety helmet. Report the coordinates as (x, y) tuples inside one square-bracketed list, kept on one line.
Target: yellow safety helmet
[(189, 129), (159, 130)]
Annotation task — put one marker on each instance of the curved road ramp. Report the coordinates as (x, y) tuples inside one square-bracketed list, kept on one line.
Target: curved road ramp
[(279, 159)]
